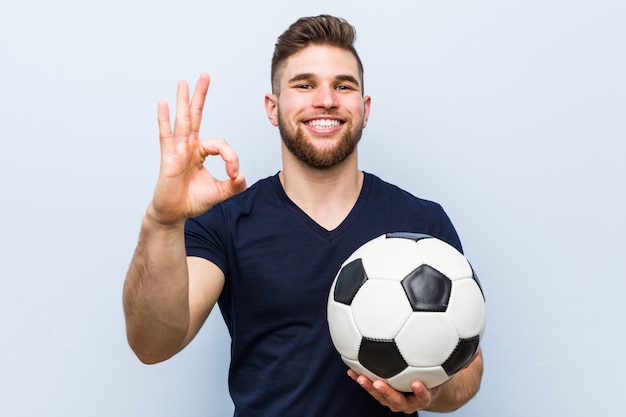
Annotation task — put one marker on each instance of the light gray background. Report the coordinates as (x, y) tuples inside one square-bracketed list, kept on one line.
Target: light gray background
[(509, 113)]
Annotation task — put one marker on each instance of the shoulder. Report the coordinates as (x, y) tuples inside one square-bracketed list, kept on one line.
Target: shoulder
[(258, 189), (396, 195), (223, 214), (253, 196), (408, 211), (210, 234)]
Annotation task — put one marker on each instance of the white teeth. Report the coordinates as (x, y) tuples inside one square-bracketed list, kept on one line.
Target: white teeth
[(323, 123)]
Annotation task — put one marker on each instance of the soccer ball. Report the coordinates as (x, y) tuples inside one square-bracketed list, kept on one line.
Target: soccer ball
[(406, 306)]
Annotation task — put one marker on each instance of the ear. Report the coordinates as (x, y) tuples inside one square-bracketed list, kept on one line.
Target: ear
[(367, 102), (271, 108)]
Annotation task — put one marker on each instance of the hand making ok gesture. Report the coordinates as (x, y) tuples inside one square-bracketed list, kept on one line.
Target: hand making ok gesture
[(185, 188)]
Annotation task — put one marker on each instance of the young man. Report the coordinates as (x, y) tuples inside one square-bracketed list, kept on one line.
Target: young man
[(268, 255)]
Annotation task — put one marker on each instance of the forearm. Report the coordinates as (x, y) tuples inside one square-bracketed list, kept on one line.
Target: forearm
[(156, 293), (459, 389)]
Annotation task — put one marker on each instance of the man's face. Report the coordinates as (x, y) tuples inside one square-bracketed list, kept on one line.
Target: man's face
[(320, 109)]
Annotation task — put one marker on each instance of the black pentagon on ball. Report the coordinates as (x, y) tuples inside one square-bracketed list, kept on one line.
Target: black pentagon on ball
[(408, 235), (461, 356), (475, 278), (382, 357), (427, 289), (350, 279)]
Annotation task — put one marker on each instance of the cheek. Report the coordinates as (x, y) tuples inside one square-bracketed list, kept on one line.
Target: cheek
[(287, 110)]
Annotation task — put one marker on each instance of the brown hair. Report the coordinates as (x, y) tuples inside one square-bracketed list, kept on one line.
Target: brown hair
[(316, 30)]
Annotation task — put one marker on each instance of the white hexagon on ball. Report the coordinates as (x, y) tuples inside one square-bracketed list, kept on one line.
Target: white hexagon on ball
[(394, 259), (383, 318), (467, 296), (415, 340)]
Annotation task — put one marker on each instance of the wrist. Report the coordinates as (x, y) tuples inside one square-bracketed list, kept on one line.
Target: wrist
[(154, 221)]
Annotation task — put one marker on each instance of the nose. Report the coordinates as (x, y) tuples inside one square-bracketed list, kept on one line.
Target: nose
[(325, 97)]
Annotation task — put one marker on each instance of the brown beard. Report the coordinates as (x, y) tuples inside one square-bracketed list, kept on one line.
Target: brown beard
[(301, 146)]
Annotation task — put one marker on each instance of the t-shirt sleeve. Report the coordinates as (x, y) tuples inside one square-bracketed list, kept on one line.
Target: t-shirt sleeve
[(204, 237), (447, 231)]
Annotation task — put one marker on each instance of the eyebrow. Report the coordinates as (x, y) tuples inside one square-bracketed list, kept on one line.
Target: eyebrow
[(308, 76), (301, 77), (348, 78)]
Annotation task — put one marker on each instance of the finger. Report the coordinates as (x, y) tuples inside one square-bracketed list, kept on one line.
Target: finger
[(222, 148), (420, 391), (391, 396), (353, 375), (367, 385), (163, 116), (232, 186), (399, 401), (182, 124), (197, 102)]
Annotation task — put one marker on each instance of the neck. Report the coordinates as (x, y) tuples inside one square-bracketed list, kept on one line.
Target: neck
[(325, 195)]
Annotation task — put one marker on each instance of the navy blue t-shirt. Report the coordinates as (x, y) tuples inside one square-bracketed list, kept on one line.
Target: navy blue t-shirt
[(279, 265)]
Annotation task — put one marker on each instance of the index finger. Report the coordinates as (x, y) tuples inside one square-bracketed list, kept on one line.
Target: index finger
[(222, 148)]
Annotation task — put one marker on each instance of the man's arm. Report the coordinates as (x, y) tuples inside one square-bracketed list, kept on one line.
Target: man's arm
[(449, 396), (461, 388), (167, 296)]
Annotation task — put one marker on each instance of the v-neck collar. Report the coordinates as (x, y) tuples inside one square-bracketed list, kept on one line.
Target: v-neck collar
[(312, 224)]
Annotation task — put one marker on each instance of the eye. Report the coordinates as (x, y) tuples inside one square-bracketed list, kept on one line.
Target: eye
[(304, 86), (344, 87)]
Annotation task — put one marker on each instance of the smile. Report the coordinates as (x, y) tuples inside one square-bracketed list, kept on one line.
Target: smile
[(323, 123)]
